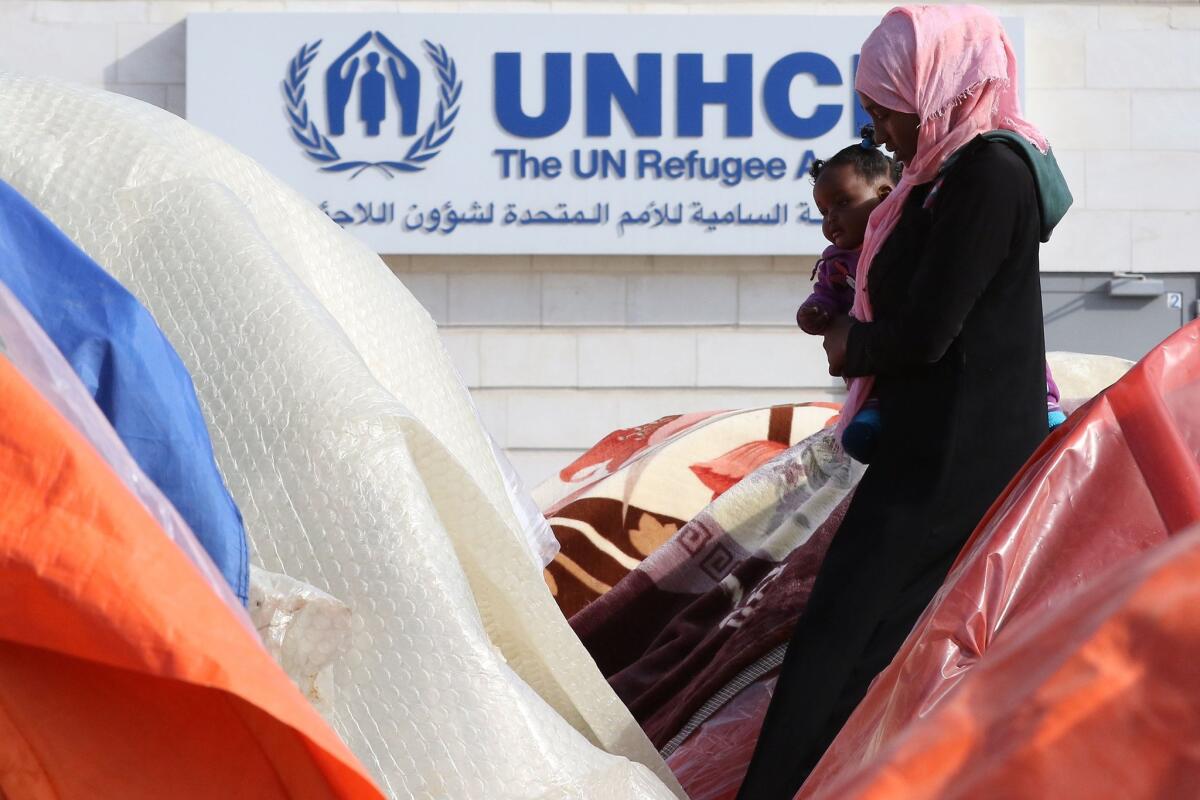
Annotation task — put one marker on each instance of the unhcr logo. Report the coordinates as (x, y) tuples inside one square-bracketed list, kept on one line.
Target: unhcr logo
[(372, 89)]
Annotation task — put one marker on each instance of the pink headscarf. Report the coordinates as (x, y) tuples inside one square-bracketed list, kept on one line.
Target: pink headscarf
[(954, 67)]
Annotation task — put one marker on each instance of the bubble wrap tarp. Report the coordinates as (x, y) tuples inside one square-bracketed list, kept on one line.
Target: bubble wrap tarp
[(130, 371), (351, 448)]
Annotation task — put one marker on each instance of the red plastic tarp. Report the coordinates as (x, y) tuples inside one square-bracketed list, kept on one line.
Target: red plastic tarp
[(1099, 698), (1120, 478)]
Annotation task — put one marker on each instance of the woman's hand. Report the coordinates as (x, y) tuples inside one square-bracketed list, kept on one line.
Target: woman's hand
[(835, 343)]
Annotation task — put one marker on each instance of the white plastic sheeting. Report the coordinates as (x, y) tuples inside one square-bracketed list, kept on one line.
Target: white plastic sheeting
[(304, 629), (1082, 376), (351, 448)]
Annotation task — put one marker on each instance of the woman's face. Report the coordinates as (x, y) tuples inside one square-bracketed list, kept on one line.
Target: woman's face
[(894, 130)]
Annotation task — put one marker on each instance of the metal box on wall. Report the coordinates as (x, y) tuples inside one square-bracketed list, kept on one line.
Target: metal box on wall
[(1118, 315)]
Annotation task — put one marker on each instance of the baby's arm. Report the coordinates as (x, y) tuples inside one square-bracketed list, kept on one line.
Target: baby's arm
[(831, 297)]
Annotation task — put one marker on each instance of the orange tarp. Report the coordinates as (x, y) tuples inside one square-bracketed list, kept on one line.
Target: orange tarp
[(1012, 684), (121, 673)]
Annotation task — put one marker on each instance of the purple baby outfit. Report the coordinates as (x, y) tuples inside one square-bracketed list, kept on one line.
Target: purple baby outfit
[(833, 285)]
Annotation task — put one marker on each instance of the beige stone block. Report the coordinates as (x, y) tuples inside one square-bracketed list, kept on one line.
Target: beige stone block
[(715, 264), (1149, 180), (682, 299), (1166, 119), (494, 298), (802, 264), (528, 358), (83, 53), (560, 419), (75, 12), (771, 298), (463, 347), (1073, 164), (638, 408), (599, 263), (1088, 240), (171, 11), (432, 291), (583, 299), (537, 466), (1168, 59), (471, 263), (1055, 43), (761, 358), (1134, 18), (1082, 119), (637, 358), (1166, 241), (492, 405)]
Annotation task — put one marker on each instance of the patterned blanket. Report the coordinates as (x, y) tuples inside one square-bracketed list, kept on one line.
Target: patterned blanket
[(688, 626), (637, 487), (693, 636)]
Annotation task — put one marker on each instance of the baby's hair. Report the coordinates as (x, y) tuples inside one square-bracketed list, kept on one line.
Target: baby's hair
[(867, 159)]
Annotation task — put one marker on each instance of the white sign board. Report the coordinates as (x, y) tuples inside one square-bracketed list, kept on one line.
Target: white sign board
[(529, 134)]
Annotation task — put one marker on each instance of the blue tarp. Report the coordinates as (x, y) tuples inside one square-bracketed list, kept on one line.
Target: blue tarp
[(134, 374)]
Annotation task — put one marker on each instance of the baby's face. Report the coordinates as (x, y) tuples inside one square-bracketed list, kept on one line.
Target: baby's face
[(846, 199)]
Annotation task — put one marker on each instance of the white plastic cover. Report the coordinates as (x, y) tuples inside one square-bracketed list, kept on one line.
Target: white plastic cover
[(1082, 376), (351, 448), (303, 628), (540, 538)]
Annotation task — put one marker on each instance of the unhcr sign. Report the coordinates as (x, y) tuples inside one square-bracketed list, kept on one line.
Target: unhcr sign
[(457, 133)]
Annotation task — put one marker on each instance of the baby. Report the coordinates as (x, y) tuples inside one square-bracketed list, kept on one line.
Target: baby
[(846, 189)]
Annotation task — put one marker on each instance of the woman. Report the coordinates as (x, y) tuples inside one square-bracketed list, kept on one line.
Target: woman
[(948, 324)]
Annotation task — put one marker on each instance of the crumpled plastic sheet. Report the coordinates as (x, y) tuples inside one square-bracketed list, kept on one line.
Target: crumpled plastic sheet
[(26, 345), (1120, 477), (352, 449), (303, 628)]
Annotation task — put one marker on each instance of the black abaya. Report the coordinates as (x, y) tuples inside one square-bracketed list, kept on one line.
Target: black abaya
[(958, 352)]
